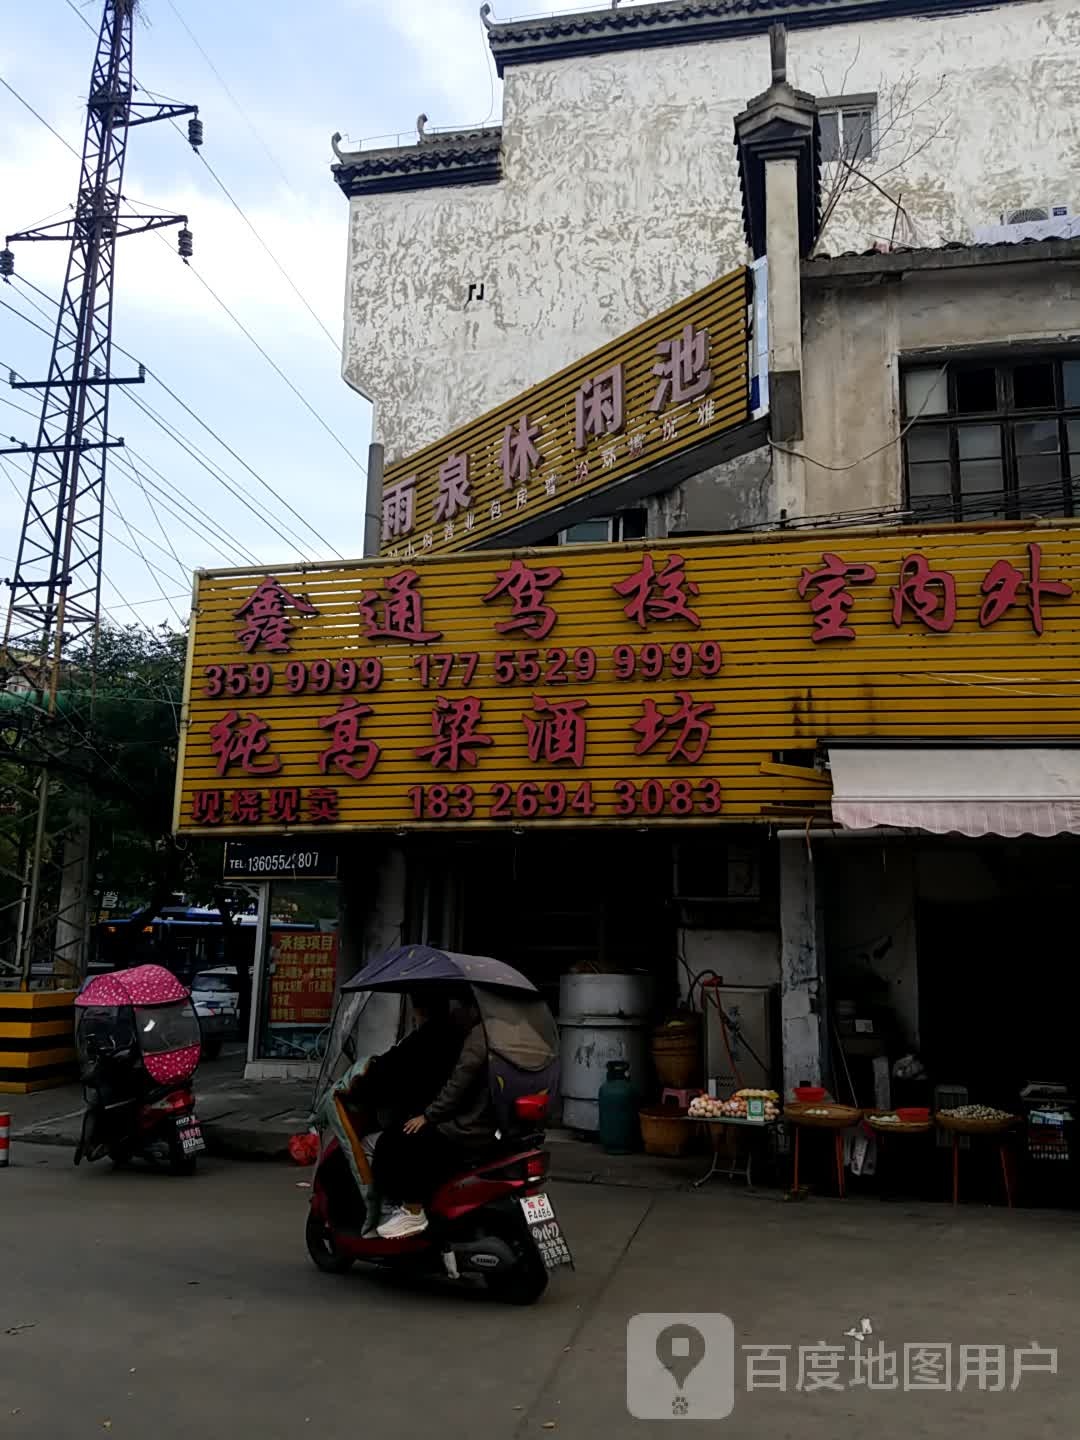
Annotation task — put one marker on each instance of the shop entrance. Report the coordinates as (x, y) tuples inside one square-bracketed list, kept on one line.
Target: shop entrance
[(549, 904), (998, 993)]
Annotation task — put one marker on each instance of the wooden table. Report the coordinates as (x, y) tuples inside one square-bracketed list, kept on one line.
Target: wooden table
[(733, 1171)]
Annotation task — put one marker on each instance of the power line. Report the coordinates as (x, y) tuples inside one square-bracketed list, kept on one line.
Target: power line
[(208, 428), (199, 456), (276, 368), (167, 429), (225, 86), (191, 512), (188, 511), (133, 548), (284, 273), (26, 104)]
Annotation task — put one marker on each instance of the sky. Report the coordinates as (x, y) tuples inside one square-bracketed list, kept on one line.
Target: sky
[(273, 80)]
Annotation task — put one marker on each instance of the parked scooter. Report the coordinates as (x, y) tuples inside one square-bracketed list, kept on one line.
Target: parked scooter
[(494, 1221), (138, 1046)]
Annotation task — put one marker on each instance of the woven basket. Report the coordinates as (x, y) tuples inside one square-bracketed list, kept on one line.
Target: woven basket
[(664, 1130), (839, 1117), (962, 1126), (676, 1054), (899, 1127)]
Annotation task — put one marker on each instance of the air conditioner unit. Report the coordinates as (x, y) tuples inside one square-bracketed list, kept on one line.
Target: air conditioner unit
[(1030, 222), (1032, 214)]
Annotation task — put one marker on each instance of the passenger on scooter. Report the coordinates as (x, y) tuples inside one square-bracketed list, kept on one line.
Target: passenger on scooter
[(413, 1159), (405, 1078)]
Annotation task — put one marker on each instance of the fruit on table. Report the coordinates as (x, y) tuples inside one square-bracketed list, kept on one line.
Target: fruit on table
[(706, 1107)]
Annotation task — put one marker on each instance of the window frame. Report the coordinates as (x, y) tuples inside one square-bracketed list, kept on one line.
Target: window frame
[(1008, 502), (852, 104), (616, 525)]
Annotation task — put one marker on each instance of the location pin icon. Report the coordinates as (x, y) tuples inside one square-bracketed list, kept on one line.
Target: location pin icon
[(680, 1350)]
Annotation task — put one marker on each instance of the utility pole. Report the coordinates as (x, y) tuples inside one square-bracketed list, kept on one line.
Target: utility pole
[(56, 588)]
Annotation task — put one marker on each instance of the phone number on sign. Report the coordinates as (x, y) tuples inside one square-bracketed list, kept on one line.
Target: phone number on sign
[(534, 800)]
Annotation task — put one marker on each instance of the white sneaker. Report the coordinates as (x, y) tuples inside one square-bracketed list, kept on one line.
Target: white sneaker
[(402, 1223)]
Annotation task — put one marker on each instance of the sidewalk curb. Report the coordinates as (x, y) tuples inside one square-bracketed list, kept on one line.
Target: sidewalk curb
[(252, 1142)]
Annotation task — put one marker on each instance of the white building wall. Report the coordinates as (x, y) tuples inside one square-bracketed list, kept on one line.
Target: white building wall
[(620, 194)]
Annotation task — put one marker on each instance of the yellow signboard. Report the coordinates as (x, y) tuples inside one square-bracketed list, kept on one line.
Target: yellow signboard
[(677, 381), (623, 685)]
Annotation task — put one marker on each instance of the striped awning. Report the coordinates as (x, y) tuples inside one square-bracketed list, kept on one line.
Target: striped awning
[(976, 790)]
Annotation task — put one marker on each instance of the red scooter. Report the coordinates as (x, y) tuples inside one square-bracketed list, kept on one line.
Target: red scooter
[(494, 1221), (138, 1047)]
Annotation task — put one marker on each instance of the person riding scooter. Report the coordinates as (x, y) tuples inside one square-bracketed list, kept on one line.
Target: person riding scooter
[(412, 1159), (491, 1219)]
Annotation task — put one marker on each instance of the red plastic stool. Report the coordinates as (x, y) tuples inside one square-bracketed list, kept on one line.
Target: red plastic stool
[(682, 1098)]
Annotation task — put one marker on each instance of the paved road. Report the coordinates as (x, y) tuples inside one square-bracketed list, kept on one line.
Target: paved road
[(139, 1305)]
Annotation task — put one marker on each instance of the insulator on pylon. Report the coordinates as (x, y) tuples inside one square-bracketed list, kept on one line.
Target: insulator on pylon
[(195, 132), (7, 264), (185, 244)]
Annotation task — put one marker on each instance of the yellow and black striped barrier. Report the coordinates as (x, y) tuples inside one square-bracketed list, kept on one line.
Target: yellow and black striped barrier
[(37, 1039)]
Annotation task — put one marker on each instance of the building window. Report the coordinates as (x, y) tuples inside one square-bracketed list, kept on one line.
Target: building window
[(848, 128), (993, 439), (624, 525)]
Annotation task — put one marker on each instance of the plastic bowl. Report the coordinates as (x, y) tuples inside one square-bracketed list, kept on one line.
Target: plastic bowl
[(809, 1094), (913, 1114)]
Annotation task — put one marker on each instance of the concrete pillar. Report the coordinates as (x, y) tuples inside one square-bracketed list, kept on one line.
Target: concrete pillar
[(73, 919), (802, 988), (777, 140), (785, 334)]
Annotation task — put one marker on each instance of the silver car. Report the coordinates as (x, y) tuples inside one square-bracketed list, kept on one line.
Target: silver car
[(216, 997)]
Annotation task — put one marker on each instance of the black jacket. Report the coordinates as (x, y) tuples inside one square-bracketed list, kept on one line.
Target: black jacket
[(463, 1110)]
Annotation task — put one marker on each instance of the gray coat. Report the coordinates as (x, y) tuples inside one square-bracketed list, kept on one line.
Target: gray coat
[(462, 1110)]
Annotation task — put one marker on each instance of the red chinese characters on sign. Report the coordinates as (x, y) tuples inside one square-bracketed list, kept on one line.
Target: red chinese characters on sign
[(303, 975), (455, 487), (659, 595), (525, 585), (833, 600), (1004, 583), (402, 608), (929, 594), (454, 724), (518, 455), (284, 805), (683, 372), (599, 406), (688, 723), (349, 751), (266, 624), (399, 509), (243, 741), (556, 734), (206, 807), (244, 808), (322, 805)]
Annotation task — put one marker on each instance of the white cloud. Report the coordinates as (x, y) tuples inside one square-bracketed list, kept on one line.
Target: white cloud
[(448, 47)]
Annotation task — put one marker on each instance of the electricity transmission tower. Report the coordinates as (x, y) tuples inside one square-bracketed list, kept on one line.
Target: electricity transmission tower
[(56, 587)]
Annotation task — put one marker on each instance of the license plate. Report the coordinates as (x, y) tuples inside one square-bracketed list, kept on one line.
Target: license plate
[(537, 1207), (189, 1133)]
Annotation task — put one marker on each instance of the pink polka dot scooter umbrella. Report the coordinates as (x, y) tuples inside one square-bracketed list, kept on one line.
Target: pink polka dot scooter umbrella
[(167, 1026)]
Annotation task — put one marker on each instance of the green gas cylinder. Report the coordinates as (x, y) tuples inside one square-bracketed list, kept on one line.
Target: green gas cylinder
[(619, 1102)]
